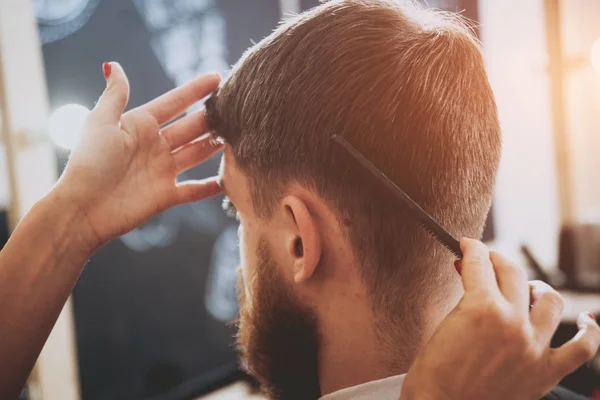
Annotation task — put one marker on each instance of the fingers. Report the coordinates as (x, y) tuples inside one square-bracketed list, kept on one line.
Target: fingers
[(546, 310), (114, 99), (195, 152), (512, 281), (191, 191), (175, 102), (582, 348), (477, 270), (185, 130)]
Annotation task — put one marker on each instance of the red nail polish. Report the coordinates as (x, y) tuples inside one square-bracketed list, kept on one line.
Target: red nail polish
[(458, 266), (106, 68), (591, 316)]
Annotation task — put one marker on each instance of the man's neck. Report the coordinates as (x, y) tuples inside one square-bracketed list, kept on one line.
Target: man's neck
[(350, 358), (352, 351)]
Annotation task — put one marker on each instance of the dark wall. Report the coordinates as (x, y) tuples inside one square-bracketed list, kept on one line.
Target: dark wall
[(3, 228), (306, 4)]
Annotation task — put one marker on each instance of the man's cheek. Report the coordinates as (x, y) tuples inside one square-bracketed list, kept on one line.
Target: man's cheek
[(242, 247), (245, 262), (245, 282)]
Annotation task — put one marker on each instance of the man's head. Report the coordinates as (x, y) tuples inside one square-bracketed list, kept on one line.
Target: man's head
[(407, 87)]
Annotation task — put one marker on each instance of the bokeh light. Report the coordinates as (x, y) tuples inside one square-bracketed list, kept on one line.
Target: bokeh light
[(65, 124), (596, 55)]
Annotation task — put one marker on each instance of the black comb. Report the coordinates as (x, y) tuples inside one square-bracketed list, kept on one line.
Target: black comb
[(426, 220)]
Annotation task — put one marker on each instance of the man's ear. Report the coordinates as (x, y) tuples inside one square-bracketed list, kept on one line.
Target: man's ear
[(303, 243)]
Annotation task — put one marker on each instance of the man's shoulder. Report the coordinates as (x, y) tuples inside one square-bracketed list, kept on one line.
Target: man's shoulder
[(560, 393)]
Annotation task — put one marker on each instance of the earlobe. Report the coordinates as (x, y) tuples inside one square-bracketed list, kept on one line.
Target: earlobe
[(305, 246)]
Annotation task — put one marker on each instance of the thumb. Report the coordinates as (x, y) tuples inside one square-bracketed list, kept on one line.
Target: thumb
[(477, 269), (113, 101)]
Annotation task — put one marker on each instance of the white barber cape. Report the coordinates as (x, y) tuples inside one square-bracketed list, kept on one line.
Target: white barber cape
[(383, 389)]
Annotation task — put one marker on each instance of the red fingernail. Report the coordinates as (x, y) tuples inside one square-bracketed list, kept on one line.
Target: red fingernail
[(106, 68), (591, 316), (458, 266)]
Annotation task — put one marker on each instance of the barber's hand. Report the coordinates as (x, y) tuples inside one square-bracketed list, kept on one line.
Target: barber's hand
[(493, 345), (123, 170)]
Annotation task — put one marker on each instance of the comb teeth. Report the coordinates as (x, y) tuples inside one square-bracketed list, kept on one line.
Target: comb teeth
[(439, 239), (430, 224)]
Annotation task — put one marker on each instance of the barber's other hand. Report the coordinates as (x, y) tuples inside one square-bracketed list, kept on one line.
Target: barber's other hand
[(493, 345), (123, 170)]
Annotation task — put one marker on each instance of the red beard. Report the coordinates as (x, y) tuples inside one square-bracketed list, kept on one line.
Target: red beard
[(277, 335)]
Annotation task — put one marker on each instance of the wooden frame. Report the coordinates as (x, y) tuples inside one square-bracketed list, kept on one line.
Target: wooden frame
[(556, 72), (32, 172)]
